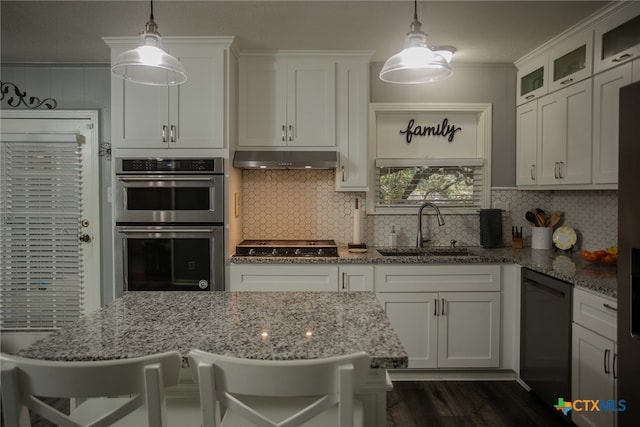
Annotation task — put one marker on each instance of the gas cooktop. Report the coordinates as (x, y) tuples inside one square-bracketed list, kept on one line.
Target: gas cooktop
[(288, 248)]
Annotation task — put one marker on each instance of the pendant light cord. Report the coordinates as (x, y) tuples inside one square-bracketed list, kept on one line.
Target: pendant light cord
[(151, 16), (415, 9)]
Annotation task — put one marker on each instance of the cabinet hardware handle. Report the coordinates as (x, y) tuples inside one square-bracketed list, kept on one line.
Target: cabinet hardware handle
[(560, 169), (435, 306), (565, 81), (555, 170), (164, 133), (172, 133), (615, 365), (344, 280), (529, 97), (622, 57), (342, 169), (610, 307), (533, 172), (443, 301), (606, 361), (290, 133), (284, 131)]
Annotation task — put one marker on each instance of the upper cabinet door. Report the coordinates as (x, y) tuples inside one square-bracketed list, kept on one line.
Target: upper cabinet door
[(617, 38), (140, 115), (571, 60), (311, 103), (197, 106), (262, 102), (526, 143), (533, 77), (606, 97)]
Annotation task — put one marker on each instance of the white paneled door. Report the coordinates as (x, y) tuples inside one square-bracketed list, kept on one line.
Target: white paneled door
[(49, 218)]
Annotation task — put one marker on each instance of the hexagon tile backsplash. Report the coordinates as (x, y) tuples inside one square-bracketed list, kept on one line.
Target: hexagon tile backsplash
[(295, 204)]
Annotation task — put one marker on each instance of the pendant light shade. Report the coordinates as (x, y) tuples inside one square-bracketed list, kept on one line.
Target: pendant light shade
[(418, 63), (149, 64)]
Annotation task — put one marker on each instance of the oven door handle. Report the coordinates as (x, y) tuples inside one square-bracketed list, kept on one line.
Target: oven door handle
[(164, 230), (164, 178)]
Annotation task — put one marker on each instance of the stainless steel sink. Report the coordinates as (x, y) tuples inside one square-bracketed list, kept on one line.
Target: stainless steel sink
[(425, 252)]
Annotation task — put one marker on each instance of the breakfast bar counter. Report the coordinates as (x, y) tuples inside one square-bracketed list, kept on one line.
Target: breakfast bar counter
[(255, 325)]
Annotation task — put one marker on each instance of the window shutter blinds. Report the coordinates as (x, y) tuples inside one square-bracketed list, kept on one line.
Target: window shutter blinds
[(39, 223), (470, 199)]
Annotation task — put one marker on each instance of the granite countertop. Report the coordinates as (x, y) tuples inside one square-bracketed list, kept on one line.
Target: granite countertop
[(256, 325), (561, 265)]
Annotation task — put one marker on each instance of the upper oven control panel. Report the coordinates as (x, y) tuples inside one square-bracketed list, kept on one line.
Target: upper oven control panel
[(209, 166)]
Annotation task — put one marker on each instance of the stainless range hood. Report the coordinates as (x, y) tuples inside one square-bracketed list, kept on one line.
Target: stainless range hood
[(285, 159)]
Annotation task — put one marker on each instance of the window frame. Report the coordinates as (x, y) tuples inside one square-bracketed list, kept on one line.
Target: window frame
[(483, 115)]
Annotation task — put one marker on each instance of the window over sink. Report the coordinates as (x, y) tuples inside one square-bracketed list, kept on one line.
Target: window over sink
[(449, 183)]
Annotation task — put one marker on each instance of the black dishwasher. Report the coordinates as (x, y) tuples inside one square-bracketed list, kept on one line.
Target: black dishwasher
[(545, 336)]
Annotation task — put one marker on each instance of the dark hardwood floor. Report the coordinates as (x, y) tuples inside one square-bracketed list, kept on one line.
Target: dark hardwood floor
[(468, 404), (452, 404)]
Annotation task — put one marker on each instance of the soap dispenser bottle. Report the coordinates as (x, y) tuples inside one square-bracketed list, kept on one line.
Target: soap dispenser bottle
[(393, 237)]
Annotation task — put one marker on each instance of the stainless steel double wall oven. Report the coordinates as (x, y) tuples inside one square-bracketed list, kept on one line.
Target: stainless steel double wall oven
[(169, 224)]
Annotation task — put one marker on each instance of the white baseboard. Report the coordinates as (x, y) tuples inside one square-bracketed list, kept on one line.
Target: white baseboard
[(446, 375)]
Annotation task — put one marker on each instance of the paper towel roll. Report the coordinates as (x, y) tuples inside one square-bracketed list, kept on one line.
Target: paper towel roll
[(356, 224)]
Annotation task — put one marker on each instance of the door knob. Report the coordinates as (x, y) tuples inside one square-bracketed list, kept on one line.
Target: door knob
[(85, 238)]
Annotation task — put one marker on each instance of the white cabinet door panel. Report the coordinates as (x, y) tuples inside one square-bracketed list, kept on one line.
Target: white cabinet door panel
[(469, 329), (311, 104), (413, 318), (591, 354), (606, 96)]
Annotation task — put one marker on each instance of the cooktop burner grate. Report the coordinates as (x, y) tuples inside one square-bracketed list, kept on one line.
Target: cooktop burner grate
[(287, 248)]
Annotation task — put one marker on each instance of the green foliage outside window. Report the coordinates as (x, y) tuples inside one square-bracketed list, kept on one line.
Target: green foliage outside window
[(452, 186)]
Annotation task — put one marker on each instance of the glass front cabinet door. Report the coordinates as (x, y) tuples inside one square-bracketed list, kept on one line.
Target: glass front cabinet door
[(571, 60), (617, 38), (532, 79)]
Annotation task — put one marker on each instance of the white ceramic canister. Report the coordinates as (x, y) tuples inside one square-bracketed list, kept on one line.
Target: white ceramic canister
[(541, 237)]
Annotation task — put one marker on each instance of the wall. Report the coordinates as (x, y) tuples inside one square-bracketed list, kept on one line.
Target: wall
[(76, 88)]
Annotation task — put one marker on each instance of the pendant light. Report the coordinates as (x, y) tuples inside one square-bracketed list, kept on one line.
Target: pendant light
[(149, 64), (418, 63)]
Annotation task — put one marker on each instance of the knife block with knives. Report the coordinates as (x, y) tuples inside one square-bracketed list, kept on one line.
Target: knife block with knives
[(516, 237)]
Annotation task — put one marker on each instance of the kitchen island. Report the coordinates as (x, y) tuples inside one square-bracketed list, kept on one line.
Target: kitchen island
[(257, 325)]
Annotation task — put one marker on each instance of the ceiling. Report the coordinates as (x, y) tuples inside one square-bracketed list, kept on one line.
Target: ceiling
[(482, 31)]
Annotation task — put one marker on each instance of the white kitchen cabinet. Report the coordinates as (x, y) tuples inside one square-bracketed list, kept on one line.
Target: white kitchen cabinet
[(355, 277), (564, 136), (351, 124), (533, 78), (191, 115), (606, 87), (594, 354), (278, 277), (413, 316), (287, 101), (526, 143), (617, 37), (570, 61), (445, 316), (592, 375)]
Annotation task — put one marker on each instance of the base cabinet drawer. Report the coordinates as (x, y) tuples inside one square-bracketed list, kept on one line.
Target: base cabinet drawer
[(260, 277)]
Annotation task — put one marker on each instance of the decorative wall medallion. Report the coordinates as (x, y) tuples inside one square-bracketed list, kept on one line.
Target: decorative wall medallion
[(18, 97)]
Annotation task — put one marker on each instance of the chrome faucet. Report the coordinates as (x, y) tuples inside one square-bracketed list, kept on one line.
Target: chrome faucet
[(420, 241)]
